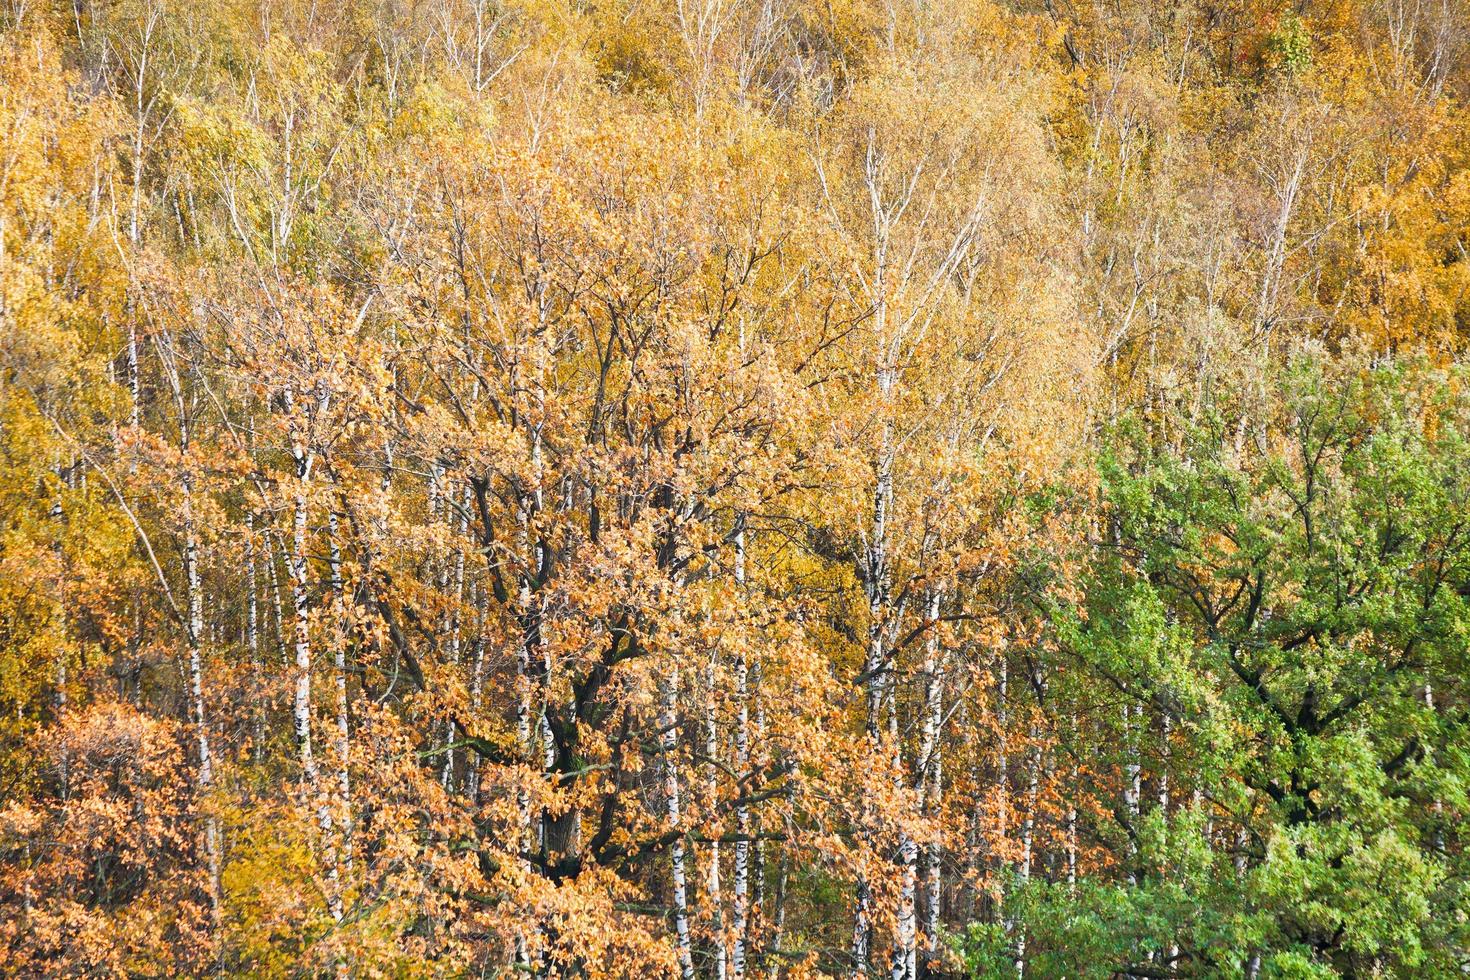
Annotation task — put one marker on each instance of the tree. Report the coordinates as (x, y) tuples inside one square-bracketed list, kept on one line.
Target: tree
[(1296, 604)]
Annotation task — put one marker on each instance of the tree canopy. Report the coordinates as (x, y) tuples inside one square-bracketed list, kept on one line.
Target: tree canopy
[(732, 488)]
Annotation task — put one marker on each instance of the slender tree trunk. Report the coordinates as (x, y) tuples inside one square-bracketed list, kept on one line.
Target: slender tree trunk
[(970, 890), (1252, 966), (905, 947), (252, 636), (532, 680), (301, 708), (194, 632), (1002, 763), (1133, 780), (778, 924), (670, 742), (1166, 731), (930, 776), (904, 964), (58, 518), (477, 688), (712, 874), (1072, 811), (277, 603), (875, 666), (196, 692), (456, 629), (339, 678), (134, 385), (760, 918), (1438, 835), (740, 908), (1028, 829)]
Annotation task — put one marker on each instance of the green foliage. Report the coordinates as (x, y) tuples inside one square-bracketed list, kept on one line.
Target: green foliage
[(1290, 44), (1295, 604), (1097, 927)]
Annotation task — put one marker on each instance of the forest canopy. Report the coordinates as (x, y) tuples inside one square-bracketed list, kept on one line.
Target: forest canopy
[(734, 488)]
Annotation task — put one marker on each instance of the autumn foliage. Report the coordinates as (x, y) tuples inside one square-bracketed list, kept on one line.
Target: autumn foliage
[(734, 488)]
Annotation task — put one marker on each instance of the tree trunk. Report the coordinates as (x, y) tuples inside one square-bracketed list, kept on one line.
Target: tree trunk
[(712, 874), (740, 913), (196, 691), (670, 743), (931, 775), (339, 672), (252, 636), (301, 708)]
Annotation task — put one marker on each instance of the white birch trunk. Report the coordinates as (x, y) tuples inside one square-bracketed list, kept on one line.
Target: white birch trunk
[(1166, 731), (740, 908), (670, 742), (1028, 823), (456, 629), (874, 666), (930, 774), (712, 874), (196, 691), (1072, 812), (134, 384), (1133, 780), (758, 872), (252, 634), (301, 706), (339, 677), (1002, 768), (1002, 749), (905, 949), (276, 601), (194, 630), (1028, 829), (533, 675)]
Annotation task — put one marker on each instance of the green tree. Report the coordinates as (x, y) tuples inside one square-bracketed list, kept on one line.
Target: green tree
[(1291, 598)]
